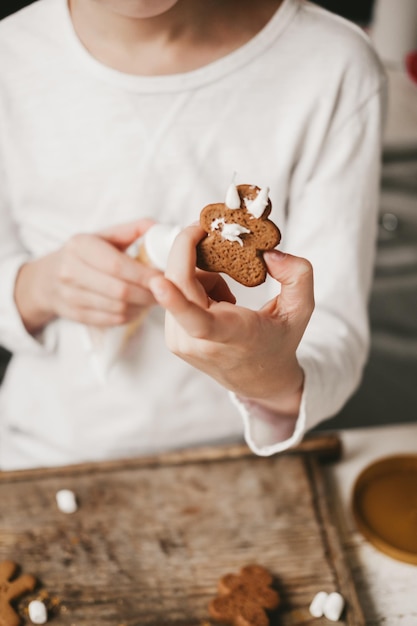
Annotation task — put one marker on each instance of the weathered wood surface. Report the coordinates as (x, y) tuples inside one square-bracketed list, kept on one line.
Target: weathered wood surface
[(149, 542)]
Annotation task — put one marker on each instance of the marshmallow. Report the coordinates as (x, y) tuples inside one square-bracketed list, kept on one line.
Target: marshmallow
[(37, 612), (317, 605), (333, 606), (66, 501)]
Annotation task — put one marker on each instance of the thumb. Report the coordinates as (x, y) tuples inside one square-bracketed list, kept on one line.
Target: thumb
[(296, 277), (122, 235)]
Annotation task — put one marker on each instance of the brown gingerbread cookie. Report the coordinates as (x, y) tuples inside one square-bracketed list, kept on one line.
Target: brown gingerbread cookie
[(237, 237), (244, 598), (10, 590)]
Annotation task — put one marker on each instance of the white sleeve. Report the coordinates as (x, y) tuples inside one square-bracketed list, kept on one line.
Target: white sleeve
[(13, 334), (332, 221)]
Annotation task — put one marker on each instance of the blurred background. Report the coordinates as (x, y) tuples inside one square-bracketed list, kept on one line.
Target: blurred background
[(388, 392)]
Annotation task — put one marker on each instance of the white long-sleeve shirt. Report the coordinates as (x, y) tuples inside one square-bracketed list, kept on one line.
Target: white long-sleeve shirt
[(82, 147)]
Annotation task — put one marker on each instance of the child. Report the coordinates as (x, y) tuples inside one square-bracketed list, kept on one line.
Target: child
[(117, 112)]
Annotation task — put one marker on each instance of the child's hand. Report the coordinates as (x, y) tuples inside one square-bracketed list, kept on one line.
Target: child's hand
[(249, 352), (89, 280)]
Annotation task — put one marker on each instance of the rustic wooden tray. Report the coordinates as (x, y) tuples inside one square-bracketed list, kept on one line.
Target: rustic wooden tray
[(152, 536)]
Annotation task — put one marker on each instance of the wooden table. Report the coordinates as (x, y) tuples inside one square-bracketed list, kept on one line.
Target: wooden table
[(152, 536)]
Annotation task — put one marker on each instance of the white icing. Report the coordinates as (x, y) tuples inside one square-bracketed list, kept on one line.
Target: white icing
[(66, 501), (257, 206), (217, 222), (232, 200), (37, 612), (158, 241), (230, 232)]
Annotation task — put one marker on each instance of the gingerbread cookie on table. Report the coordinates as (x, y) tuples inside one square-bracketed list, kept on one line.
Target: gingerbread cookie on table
[(238, 233), (11, 590), (244, 598)]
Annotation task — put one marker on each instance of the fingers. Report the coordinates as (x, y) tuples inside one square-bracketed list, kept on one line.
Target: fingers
[(216, 287), (183, 253), (101, 256), (123, 235), (96, 317), (196, 321), (181, 264), (296, 277), (78, 275), (84, 299), (99, 285), (195, 285)]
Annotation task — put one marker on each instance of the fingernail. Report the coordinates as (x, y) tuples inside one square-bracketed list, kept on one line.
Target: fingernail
[(276, 255)]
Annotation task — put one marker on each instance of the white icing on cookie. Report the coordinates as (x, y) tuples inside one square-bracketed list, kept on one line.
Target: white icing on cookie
[(232, 200), (216, 223), (257, 206), (230, 232)]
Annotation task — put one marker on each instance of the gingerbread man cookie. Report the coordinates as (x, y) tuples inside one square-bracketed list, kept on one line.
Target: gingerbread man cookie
[(10, 590), (238, 232), (244, 598)]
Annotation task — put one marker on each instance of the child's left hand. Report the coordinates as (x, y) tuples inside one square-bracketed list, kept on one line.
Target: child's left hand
[(252, 353)]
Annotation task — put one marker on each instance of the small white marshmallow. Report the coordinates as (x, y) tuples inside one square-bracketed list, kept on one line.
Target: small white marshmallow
[(66, 501), (317, 605), (333, 607), (37, 612)]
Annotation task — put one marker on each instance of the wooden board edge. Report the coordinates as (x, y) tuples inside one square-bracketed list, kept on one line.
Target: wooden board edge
[(354, 615), (326, 447)]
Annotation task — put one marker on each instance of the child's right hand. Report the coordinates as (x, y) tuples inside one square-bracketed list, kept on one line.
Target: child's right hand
[(89, 280)]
